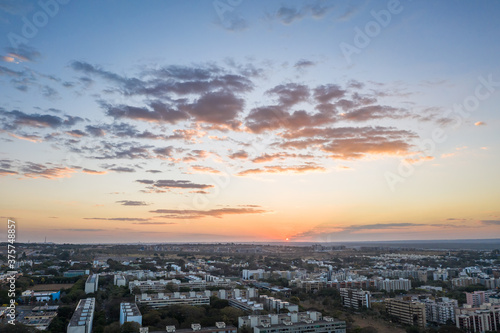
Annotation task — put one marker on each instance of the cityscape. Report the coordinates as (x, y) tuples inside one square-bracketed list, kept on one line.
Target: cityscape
[(232, 166)]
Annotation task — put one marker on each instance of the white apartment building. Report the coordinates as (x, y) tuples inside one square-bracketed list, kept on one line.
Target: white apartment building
[(129, 312), (92, 283), (161, 300), (297, 322), (81, 321)]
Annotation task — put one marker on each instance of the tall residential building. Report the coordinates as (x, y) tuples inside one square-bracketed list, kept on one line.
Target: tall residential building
[(481, 319), (92, 283), (81, 321), (130, 312), (477, 298), (354, 298), (464, 281), (407, 311), (440, 310), (392, 285)]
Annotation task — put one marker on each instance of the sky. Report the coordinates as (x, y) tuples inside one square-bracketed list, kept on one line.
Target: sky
[(249, 121)]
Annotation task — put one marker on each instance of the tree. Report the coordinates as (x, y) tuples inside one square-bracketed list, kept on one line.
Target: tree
[(64, 255), (130, 327), (113, 328), (17, 328), (368, 329)]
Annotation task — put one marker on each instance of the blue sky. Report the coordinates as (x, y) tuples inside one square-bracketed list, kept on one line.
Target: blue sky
[(244, 120)]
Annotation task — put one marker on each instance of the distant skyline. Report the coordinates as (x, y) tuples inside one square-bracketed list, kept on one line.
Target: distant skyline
[(249, 121)]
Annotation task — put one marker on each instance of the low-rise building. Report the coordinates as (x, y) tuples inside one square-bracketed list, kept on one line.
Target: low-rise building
[(220, 327), (76, 272), (40, 317), (246, 305), (271, 303), (160, 300), (296, 322)]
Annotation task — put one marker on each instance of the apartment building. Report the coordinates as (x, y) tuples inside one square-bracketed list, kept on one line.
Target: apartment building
[(160, 300), (274, 304), (91, 284), (81, 321), (246, 305), (392, 285), (129, 312), (440, 310), (355, 298), (407, 311), (310, 321), (478, 319)]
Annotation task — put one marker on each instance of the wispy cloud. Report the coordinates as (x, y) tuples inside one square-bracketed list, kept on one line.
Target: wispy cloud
[(132, 203), (308, 167), (196, 214)]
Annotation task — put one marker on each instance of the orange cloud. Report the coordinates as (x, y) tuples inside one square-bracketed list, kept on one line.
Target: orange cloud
[(270, 157), (419, 159), (204, 169), (50, 173), (31, 138), (241, 154), (94, 172), (480, 123), (448, 155), (281, 169), (196, 214)]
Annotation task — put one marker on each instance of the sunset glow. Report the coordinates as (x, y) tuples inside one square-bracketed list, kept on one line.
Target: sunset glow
[(271, 121)]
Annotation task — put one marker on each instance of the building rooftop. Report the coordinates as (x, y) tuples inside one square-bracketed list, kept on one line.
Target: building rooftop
[(83, 312), (131, 309)]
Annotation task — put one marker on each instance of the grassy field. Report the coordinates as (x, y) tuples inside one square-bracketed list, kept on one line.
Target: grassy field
[(47, 287)]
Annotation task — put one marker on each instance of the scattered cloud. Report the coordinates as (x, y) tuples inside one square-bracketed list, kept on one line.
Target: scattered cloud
[(491, 222), (196, 214), (49, 171), (308, 167), (287, 15), (124, 219), (94, 172), (203, 169), (15, 119), (168, 184), (303, 63), (418, 159), (240, 154), (132, 203)]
